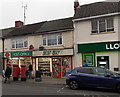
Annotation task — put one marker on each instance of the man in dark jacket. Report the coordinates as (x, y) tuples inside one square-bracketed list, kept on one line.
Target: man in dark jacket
[(30, 71), (8, 72)]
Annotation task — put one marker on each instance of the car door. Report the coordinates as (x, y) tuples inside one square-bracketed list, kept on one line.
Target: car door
[(87, 77), (104, 81)]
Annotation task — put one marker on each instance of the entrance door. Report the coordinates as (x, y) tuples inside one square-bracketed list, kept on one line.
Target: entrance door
[(56, 67)]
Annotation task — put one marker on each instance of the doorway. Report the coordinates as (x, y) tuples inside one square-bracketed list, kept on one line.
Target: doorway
[(56, 67)]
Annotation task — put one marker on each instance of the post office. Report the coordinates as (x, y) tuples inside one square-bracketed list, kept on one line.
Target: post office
[(47, 45)]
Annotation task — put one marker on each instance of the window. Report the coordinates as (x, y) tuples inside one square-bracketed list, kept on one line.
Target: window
[(52, 39), (59, 39), (19, 43), (44, 40), (103, 72), (110, 26), (102, 25), (100, 72), (94, 27), (85, 70)]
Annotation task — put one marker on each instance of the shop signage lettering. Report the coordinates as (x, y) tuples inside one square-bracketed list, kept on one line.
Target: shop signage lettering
[(51, 52), (21, 54), (99, 47), (113, 46)]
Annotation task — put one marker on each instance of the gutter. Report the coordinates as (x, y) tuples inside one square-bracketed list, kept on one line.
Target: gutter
[(92, 17)]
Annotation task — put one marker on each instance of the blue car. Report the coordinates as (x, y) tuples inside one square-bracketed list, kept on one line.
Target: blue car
[(94, 77)]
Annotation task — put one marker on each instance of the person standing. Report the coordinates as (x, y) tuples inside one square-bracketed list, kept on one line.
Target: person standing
[(27, 74), (3, 73), (8, 72), (85, 64), (30, 71)]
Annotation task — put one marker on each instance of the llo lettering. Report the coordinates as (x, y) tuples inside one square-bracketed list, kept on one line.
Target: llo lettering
[(112, 46)]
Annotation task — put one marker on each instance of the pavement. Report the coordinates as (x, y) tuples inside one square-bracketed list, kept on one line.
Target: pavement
[(44, 80), (48, 80)]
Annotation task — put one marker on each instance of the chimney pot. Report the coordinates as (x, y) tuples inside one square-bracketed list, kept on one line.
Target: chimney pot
[(76, 4), (18, 23)]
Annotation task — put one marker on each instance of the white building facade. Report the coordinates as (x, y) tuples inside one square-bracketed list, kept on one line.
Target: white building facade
[(97, 35)]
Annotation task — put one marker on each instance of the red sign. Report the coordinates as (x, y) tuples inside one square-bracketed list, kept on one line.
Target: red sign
[(7, 54)]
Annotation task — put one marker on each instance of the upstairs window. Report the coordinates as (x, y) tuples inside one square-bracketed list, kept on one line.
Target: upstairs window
[(52, 39), (59, 39), (19, 43), (102, 25)]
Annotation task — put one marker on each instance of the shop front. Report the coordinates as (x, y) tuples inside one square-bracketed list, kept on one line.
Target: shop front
[(1, 63), (103, 54), (54, 63), (19, 58)]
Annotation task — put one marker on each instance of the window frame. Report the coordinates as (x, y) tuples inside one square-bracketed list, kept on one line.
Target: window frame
[(107, 29), (20, 43), (86, 69), (57, 39)]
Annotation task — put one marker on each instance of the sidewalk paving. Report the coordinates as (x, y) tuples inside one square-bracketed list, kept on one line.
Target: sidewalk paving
[(49, 80), (45, 80)]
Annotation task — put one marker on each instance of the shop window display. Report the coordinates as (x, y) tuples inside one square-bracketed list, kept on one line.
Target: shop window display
[(66, 66), (44, 66)]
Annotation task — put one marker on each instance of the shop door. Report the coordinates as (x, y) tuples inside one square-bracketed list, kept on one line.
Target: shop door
[(103, 61), (56, 67)]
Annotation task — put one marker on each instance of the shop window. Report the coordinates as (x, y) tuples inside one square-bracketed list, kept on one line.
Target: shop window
[(66, 66), (102, 25), (89, 58), (19, 43), (52, 39)]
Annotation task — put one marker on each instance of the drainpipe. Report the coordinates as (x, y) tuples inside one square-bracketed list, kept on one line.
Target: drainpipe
[(3, 63)]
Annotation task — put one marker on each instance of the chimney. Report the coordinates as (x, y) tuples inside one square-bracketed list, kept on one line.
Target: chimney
[(76, 4), (18, 23)]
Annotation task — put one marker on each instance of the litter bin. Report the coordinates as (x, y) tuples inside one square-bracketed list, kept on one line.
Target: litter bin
[(38, 76)]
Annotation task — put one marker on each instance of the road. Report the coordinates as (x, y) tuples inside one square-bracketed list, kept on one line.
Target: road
[(49, 89)]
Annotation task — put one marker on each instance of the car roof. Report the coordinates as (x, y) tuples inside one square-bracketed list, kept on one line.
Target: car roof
[(87, 67)]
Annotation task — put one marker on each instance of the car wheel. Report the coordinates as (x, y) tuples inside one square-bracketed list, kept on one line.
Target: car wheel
[(73, 85), (118, 88)]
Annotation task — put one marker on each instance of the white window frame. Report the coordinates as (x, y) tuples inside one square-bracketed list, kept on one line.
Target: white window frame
[(58, 39), (106, 26), (57, 35), (17, 43)]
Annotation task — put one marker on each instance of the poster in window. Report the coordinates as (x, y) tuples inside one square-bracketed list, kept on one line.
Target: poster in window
[(89, 59)]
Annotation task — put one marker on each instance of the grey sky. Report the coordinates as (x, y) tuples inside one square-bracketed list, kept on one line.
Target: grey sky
[(37, 10)]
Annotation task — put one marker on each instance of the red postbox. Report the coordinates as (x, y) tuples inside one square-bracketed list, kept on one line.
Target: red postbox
[(16, 72), (23, 72), (8, 65)]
